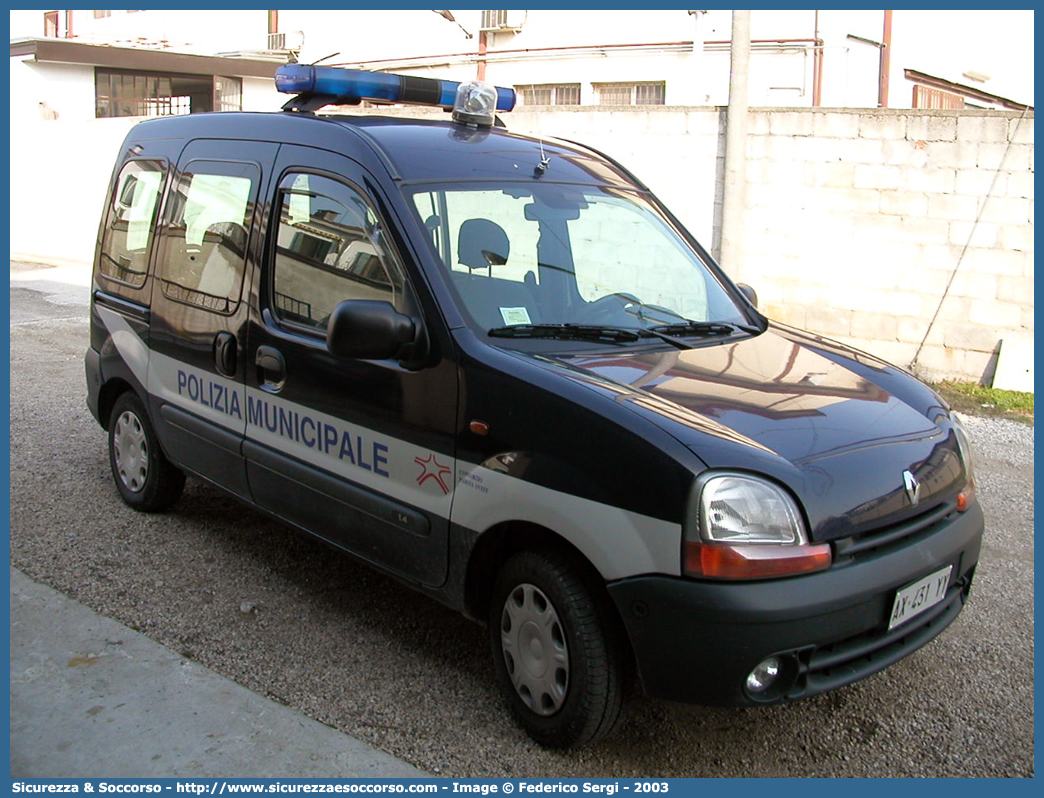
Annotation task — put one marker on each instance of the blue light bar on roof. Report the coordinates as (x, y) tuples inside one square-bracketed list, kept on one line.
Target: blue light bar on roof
[(358, 84)]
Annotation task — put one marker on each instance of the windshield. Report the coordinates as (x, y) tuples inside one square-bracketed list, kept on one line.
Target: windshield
[(544, 254)]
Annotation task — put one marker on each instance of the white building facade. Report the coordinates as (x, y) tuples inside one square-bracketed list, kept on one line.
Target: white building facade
[(827, 58)]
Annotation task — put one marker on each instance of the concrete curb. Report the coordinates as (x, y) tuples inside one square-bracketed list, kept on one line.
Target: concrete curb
[(43, 261), (93, 698)]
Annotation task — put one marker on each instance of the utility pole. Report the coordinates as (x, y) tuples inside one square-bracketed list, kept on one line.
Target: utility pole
[(733, 205), (886, 61)]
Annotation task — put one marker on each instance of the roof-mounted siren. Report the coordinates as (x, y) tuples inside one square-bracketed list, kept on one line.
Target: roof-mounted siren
[(473, 103)]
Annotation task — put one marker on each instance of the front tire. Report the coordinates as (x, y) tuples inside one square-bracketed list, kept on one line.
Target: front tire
[(556, 650), (146, 480)]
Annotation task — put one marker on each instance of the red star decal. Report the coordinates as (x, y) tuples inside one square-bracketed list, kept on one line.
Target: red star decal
[(432, 469)]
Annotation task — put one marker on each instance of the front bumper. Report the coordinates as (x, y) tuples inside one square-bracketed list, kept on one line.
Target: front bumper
[(696, 641)]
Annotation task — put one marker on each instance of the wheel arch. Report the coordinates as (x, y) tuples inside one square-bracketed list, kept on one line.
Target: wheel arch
[(110, 392), (499, 542)]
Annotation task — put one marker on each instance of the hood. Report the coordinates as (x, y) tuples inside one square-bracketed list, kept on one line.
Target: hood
[(825, 420)]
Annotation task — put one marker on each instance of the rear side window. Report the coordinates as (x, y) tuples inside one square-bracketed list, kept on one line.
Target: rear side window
[(329, 248), (205, 253), (131, 222)]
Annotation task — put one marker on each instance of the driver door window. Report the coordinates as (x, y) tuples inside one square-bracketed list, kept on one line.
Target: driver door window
[(328, 249)]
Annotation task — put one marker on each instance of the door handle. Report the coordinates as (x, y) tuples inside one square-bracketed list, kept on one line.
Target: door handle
[(271, 368), (225, 354)]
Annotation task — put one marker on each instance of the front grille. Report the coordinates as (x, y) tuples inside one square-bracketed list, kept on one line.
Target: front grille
[(831, 666), (887, 536)]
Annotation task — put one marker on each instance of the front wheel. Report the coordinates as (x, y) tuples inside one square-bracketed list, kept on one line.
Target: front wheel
[(144, 477), (557, 653)]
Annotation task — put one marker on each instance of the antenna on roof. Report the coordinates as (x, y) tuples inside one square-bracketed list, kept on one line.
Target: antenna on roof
[(448, 15)]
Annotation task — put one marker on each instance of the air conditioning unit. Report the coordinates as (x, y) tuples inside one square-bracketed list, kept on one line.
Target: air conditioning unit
[(503, 21), (292, 41)]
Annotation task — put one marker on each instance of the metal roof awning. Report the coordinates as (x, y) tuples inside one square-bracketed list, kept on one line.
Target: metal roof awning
[(968, 92), (64, 51)]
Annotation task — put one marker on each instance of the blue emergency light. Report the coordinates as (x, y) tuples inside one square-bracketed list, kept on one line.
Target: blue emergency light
[(473, 102)]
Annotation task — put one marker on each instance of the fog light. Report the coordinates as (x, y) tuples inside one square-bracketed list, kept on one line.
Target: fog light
[(763, 676)]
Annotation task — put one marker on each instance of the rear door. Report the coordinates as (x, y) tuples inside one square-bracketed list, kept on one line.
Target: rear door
[(208, 244), (358, 452)]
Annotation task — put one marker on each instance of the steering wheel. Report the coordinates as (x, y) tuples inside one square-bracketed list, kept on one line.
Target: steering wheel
[(604, 309)]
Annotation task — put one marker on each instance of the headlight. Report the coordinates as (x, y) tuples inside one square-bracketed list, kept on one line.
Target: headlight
[(967, 495), (743, 527), (963, 444), (740, 509)]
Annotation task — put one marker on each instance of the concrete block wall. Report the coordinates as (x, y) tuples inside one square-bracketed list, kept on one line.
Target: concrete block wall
[(860, 221), (862, 225)]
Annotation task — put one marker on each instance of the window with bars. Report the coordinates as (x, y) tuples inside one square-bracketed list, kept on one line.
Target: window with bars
[(101, 14), (549, 94), (126, 93), (228, 94), (925, 97), (644, 93)]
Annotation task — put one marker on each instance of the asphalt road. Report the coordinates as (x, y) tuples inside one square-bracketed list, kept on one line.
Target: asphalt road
[(296, 622)]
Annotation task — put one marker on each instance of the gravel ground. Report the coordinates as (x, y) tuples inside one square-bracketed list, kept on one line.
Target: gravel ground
[(294, 621)]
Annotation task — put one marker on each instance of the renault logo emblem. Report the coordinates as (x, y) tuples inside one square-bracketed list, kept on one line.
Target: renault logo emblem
[(913, 487)]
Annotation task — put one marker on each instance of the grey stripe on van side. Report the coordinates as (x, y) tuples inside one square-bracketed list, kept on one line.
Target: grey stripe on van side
[(619, 543)]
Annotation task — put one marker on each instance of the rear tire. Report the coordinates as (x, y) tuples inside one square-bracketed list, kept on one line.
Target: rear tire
[(556, 650), (146, 480)]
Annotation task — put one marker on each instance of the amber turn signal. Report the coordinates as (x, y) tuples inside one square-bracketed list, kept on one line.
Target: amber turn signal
[(722, 561), (966, 496)]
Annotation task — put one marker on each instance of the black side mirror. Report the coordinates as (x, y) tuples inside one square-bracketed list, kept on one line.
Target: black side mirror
[(749, 293), (369, 329)]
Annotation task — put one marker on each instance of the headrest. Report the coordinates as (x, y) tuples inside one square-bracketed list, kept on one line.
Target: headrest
[(482, 243)]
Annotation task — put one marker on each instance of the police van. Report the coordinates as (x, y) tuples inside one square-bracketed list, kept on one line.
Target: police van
[(498, 369)]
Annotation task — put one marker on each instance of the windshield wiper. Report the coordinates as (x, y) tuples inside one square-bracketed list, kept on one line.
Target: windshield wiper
[(567, 332), (694, 328), (618, 335), (704, 328), (586, 332)]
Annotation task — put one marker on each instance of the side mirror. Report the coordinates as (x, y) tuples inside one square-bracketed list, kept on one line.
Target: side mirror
[(749, 293), (368, 329)]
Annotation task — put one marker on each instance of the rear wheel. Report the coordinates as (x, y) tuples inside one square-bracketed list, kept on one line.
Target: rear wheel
[(146, 480), (557, 655)]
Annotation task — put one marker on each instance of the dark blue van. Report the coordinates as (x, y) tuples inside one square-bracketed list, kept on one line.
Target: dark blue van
[(497, 369)]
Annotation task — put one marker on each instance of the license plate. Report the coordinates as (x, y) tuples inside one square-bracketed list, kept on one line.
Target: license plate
[(914, 599)]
